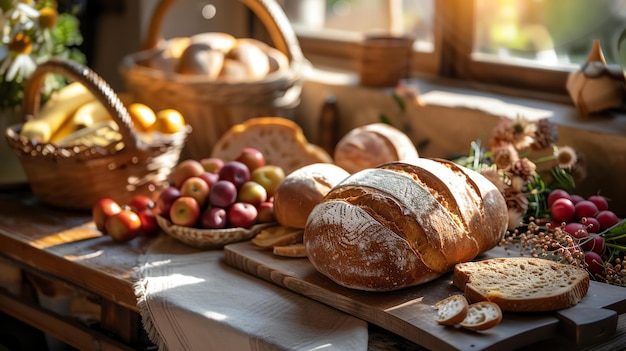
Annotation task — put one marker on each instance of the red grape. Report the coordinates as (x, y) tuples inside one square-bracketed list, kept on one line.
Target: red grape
[(577, 230), (577, 198), (557, 194), (594, 262), (600, 202), (585, 208), (607, 219), (594, 243), (563, 210), (592, 224)]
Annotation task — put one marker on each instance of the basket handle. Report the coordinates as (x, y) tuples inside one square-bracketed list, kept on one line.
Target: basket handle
[(268, 11), (93, 82)]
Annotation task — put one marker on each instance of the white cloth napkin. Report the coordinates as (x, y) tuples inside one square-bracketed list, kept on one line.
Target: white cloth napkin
[(192, 300)]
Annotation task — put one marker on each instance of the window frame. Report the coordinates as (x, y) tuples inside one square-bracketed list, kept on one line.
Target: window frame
[(452, 57), (460, 62)]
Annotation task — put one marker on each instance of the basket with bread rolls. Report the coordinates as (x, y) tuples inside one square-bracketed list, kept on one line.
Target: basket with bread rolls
[(85, 143), (215, 79)]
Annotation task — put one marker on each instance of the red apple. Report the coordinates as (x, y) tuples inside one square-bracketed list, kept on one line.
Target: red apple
[(166, 199), (269, 176), (213, 218), (266, 212), (102, 210), (222, 194), (197, 188), (185, 211), (241, 214), (252, 193), (235, 172), (124, 225), (140, 202), (212, 164), (149, 224), (186, 169), (251, 157)]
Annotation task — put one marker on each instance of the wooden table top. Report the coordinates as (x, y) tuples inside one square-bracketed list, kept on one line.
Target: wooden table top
[(66, 245), (53, 240)]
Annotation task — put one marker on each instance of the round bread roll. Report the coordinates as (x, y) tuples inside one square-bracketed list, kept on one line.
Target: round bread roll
[(303, 189), (166, 59), (200, 59), (250, 53), (222, 42), (403, 223), (371, 145)]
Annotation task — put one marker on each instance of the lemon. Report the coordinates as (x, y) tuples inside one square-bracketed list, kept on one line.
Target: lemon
[(169, 121), (143, 116)]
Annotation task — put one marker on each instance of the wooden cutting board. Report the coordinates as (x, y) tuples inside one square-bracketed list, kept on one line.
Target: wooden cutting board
[(410, 313)]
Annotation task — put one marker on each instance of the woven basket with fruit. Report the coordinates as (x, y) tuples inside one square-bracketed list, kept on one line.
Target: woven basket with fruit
[(83, 144)]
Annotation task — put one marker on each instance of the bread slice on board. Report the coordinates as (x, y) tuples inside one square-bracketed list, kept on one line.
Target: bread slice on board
[(452, 310), (522, 284), (482, 315)]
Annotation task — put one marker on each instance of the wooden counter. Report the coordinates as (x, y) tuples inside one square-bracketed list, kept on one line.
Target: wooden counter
[(65, 247)]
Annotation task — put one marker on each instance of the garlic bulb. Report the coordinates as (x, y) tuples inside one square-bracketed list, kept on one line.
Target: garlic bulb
[(594, 88)]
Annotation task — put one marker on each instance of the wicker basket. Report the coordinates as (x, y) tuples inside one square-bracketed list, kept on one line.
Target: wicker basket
[(210, 238), (211, 107), (75, 177)]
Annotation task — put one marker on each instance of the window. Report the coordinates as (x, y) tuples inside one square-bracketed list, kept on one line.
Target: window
[(515, 43)]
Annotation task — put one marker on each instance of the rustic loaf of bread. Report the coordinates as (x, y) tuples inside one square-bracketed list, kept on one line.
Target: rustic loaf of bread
[(301, 190), (371, 145), (522, 284), (281, 141), (403, 223)]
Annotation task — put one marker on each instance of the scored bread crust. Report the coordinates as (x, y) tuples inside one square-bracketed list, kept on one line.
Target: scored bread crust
[(522, 284), (399, 225), (303, 189), (281, 141)]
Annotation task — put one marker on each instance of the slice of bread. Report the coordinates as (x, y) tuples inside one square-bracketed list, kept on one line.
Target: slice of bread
[(278, 236), (523, 284), (452, 310), (293, 250), (482, 316), (281, 141)]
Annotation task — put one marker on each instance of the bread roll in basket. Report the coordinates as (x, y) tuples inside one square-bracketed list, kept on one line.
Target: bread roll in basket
[(403, 223)]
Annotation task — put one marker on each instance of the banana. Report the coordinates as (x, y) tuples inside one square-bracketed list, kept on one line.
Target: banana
[(55, 112), (99, 134), (90, 114)]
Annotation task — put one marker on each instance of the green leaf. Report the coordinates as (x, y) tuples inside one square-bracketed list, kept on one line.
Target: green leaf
[(615, 231)]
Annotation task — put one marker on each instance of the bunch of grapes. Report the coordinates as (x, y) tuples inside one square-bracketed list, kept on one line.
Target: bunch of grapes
[(584, 219), (580, 231)]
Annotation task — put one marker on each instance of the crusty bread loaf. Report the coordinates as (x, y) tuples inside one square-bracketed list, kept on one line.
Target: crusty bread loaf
[(371, 145), (281, 141), (403, 223), (523, 284), (303, 189)]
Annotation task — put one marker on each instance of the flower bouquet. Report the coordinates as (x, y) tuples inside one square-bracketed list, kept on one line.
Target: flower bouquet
[(546, 218), (32, 32)]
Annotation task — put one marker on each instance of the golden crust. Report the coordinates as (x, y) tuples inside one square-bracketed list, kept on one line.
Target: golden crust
[(281, 140)]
